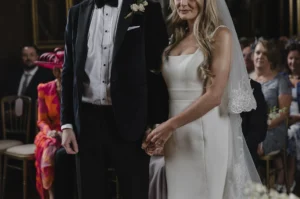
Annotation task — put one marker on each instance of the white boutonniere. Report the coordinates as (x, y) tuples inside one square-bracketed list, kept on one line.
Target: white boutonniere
[(137, 8)]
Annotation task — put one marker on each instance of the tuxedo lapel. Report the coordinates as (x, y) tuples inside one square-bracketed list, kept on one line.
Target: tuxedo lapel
[(84, 21), (122, 25)]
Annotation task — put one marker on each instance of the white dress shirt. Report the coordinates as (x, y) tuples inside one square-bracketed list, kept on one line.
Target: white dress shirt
[(99, 56), (98, 63), (30, 74)]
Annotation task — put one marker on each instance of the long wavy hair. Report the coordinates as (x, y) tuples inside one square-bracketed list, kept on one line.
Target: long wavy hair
[(206, 22)]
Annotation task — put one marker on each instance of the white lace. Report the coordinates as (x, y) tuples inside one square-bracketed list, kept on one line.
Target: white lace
[(241, 99)]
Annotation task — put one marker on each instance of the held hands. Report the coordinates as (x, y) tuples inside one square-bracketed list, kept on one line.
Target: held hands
[(69, 141), (156, 139)]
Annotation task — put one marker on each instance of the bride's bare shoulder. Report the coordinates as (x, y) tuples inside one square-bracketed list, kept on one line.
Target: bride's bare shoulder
[(222, 33)]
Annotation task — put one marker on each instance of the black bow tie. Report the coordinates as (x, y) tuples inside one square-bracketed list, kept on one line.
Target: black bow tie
[(101, 3)]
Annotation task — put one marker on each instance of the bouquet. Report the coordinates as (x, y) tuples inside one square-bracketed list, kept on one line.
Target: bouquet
[(274, 113), (259, 191)]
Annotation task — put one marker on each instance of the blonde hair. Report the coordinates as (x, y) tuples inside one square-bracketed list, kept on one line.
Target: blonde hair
[(205, 24)]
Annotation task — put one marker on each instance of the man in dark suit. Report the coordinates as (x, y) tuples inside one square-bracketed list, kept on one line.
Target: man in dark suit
[(254, 123), (25, 81), (109, 94)]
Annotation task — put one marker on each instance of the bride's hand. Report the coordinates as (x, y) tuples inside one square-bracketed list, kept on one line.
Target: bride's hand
[(160, 135)]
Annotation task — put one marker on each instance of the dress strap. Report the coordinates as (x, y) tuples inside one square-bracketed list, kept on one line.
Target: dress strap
[(213, 33)]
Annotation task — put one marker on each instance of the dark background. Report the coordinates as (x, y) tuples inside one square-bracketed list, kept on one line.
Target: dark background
[(269, 18)]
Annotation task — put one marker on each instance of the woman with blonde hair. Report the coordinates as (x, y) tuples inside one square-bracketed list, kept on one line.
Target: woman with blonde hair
[(205, 152)]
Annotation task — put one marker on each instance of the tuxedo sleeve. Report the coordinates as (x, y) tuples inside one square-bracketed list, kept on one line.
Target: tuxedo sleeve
[(67, 116), (156, 40)]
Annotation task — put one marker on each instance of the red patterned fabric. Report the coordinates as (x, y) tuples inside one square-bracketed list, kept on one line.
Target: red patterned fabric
[(48, 119)]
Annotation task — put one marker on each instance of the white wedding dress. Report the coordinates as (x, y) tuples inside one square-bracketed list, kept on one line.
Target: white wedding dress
[(198, 155)]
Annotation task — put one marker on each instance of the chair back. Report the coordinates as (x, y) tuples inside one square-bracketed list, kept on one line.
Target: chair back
[(15, 113)]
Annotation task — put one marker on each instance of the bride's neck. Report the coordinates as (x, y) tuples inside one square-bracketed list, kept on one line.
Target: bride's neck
[(190, 26)]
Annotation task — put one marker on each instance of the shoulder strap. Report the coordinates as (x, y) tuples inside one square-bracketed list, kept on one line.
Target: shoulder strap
[(213, 33)]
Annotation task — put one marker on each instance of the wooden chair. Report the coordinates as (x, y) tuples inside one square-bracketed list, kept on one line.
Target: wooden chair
[(15, 114), (282, 153), (23, 152), (116, 181), (272, 171)]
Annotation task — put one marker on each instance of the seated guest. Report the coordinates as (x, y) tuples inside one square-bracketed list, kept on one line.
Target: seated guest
[(292, 60), (254, 122), (48, 140), (277, 93), (25, 80)]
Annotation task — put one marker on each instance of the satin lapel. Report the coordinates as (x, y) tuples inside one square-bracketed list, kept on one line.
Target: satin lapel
[(84, 21), (122, 25)]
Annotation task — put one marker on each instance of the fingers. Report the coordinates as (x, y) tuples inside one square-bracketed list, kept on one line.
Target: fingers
[(151, 136), (75, 145), (68, 148), (70, 144)]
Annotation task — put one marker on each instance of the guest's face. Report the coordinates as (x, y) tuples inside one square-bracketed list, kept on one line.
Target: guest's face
[(188, 9), (260, 57), (29, 56), (293, 61), (57, 73), (247, 54)]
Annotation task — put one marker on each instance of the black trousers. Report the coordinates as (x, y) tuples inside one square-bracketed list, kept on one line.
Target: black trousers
[(65, 175), (101, 147)]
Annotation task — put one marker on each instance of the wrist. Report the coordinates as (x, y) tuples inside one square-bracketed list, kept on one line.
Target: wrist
[(173, 123)]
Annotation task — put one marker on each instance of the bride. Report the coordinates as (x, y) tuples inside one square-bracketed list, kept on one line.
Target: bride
[(205, 152)]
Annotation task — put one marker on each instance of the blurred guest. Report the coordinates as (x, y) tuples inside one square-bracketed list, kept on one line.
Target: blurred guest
[(25, 81), (48, 140), (293, 72), (254, 122), (247, 54), (244, 42), (277, 93)]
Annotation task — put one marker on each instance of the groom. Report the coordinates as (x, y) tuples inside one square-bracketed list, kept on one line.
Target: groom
[(109, 96)]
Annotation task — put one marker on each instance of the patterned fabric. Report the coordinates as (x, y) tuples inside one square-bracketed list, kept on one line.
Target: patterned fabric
[(271, 89), (48, 119)]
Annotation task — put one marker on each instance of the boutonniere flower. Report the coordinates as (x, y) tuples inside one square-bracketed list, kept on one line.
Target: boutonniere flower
[(137, 8)]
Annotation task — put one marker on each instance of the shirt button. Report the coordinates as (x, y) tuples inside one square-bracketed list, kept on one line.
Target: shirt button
[(103, 81), (103, 99), (104, 48), (104, 64), (106, 30), (106, 14)]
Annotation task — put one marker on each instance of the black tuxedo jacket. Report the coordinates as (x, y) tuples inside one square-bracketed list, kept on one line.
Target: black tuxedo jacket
[(254, 123), (139, 97)]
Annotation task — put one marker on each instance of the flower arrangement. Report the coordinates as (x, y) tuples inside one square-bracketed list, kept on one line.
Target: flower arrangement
[(274, 113), (259, 191), (137, 8)]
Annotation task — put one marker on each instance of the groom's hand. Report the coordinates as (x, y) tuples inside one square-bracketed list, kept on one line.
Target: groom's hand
[(69, 141)]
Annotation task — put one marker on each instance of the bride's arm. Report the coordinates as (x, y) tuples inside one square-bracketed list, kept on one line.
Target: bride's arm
[(220, 68)]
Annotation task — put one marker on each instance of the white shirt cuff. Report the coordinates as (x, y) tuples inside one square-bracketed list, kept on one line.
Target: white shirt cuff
[(66, 126)]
